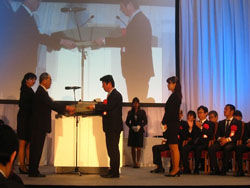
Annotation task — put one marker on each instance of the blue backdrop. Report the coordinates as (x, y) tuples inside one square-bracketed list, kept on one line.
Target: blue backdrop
[(214, 50)]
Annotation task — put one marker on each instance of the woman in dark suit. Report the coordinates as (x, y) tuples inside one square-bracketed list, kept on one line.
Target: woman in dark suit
[(136, 120), (24, 119), (171, 122)]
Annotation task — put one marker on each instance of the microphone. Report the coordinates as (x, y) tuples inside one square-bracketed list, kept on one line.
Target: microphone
[(91, 17), (118, 18), (72, 87), (73, 9)]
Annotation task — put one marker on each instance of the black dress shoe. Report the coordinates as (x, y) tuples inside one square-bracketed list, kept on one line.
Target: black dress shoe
[(240, 174), (22, 171), (173, 175), (37, 175), (196, 171), (158, 170), (185, 171), (110, 175), (214, 172), (223, 173)]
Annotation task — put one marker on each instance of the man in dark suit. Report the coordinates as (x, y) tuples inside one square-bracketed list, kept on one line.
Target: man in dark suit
[(243, 148), (112, 123), (200, 141), (25, 40), (7, 30), (41, 121), (8, 153), (228, 132), (136, 50)]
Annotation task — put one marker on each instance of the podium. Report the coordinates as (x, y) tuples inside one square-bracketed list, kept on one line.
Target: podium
[(92, 152)]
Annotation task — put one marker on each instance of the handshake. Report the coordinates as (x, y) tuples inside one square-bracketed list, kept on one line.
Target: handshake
[(136, 128)]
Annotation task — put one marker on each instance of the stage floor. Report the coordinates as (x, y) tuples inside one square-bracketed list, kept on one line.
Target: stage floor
[(131, 177)]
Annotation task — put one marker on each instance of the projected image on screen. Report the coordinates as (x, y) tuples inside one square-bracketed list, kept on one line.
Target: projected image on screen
[(138, 49)]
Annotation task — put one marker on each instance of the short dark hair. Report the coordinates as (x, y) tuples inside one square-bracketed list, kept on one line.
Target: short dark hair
[(191, 113), (180, 111), (232, 107), (135, 99), (134, 3), (238, 113), (8, 143), (43, 76), (1, 122), (205, 109), (107, 79), (213, 112), (27, 76)]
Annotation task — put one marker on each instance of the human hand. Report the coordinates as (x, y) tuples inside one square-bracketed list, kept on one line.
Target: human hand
[(223, 141), (91, 107), (198, 124), (68, 44), (134, 128), (164, 127), (71, 109), (100, 41)]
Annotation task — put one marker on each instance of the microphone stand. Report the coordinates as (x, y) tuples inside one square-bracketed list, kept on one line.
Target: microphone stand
[(83, 55), (77, 171)]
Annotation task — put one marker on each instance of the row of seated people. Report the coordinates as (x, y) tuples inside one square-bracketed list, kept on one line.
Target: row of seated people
[(226, 136)]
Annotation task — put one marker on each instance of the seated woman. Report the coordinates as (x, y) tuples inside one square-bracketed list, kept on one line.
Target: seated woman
[(136, 120)]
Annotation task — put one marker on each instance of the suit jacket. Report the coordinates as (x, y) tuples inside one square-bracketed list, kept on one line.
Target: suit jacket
[(246, 134), (141, 120), (138, 47), (21, 56), (28, 39), (193, 135), (7, 30), (112, 118), (230, 132), (183, 129), (172, 108), (7, 183), (25, 108), (42, 106), (206, 133), (25, 101)]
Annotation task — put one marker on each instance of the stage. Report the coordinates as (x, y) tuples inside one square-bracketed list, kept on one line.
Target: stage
[(132, 177)]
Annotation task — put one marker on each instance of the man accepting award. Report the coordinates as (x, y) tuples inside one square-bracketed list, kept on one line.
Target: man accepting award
[(136, 50)]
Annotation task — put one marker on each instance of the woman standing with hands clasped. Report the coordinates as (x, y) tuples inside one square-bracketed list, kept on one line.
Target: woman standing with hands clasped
[(170, 122), (24, 120), (136, 120)]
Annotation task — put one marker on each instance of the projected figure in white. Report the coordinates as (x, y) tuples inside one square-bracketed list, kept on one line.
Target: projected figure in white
[(136, 51), (25, 42)]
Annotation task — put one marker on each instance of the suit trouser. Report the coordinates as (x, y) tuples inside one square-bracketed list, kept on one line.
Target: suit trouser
[(112, 144), (137, 86), (197, 154), (157, 149), (226, 149), (239, 153), (36, 149)]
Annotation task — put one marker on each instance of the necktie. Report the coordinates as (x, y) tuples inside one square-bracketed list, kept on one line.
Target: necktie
[(227, 125)]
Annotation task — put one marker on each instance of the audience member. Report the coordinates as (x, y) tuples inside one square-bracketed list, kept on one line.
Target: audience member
[(229, 131), (8, 153), (136, 120)]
